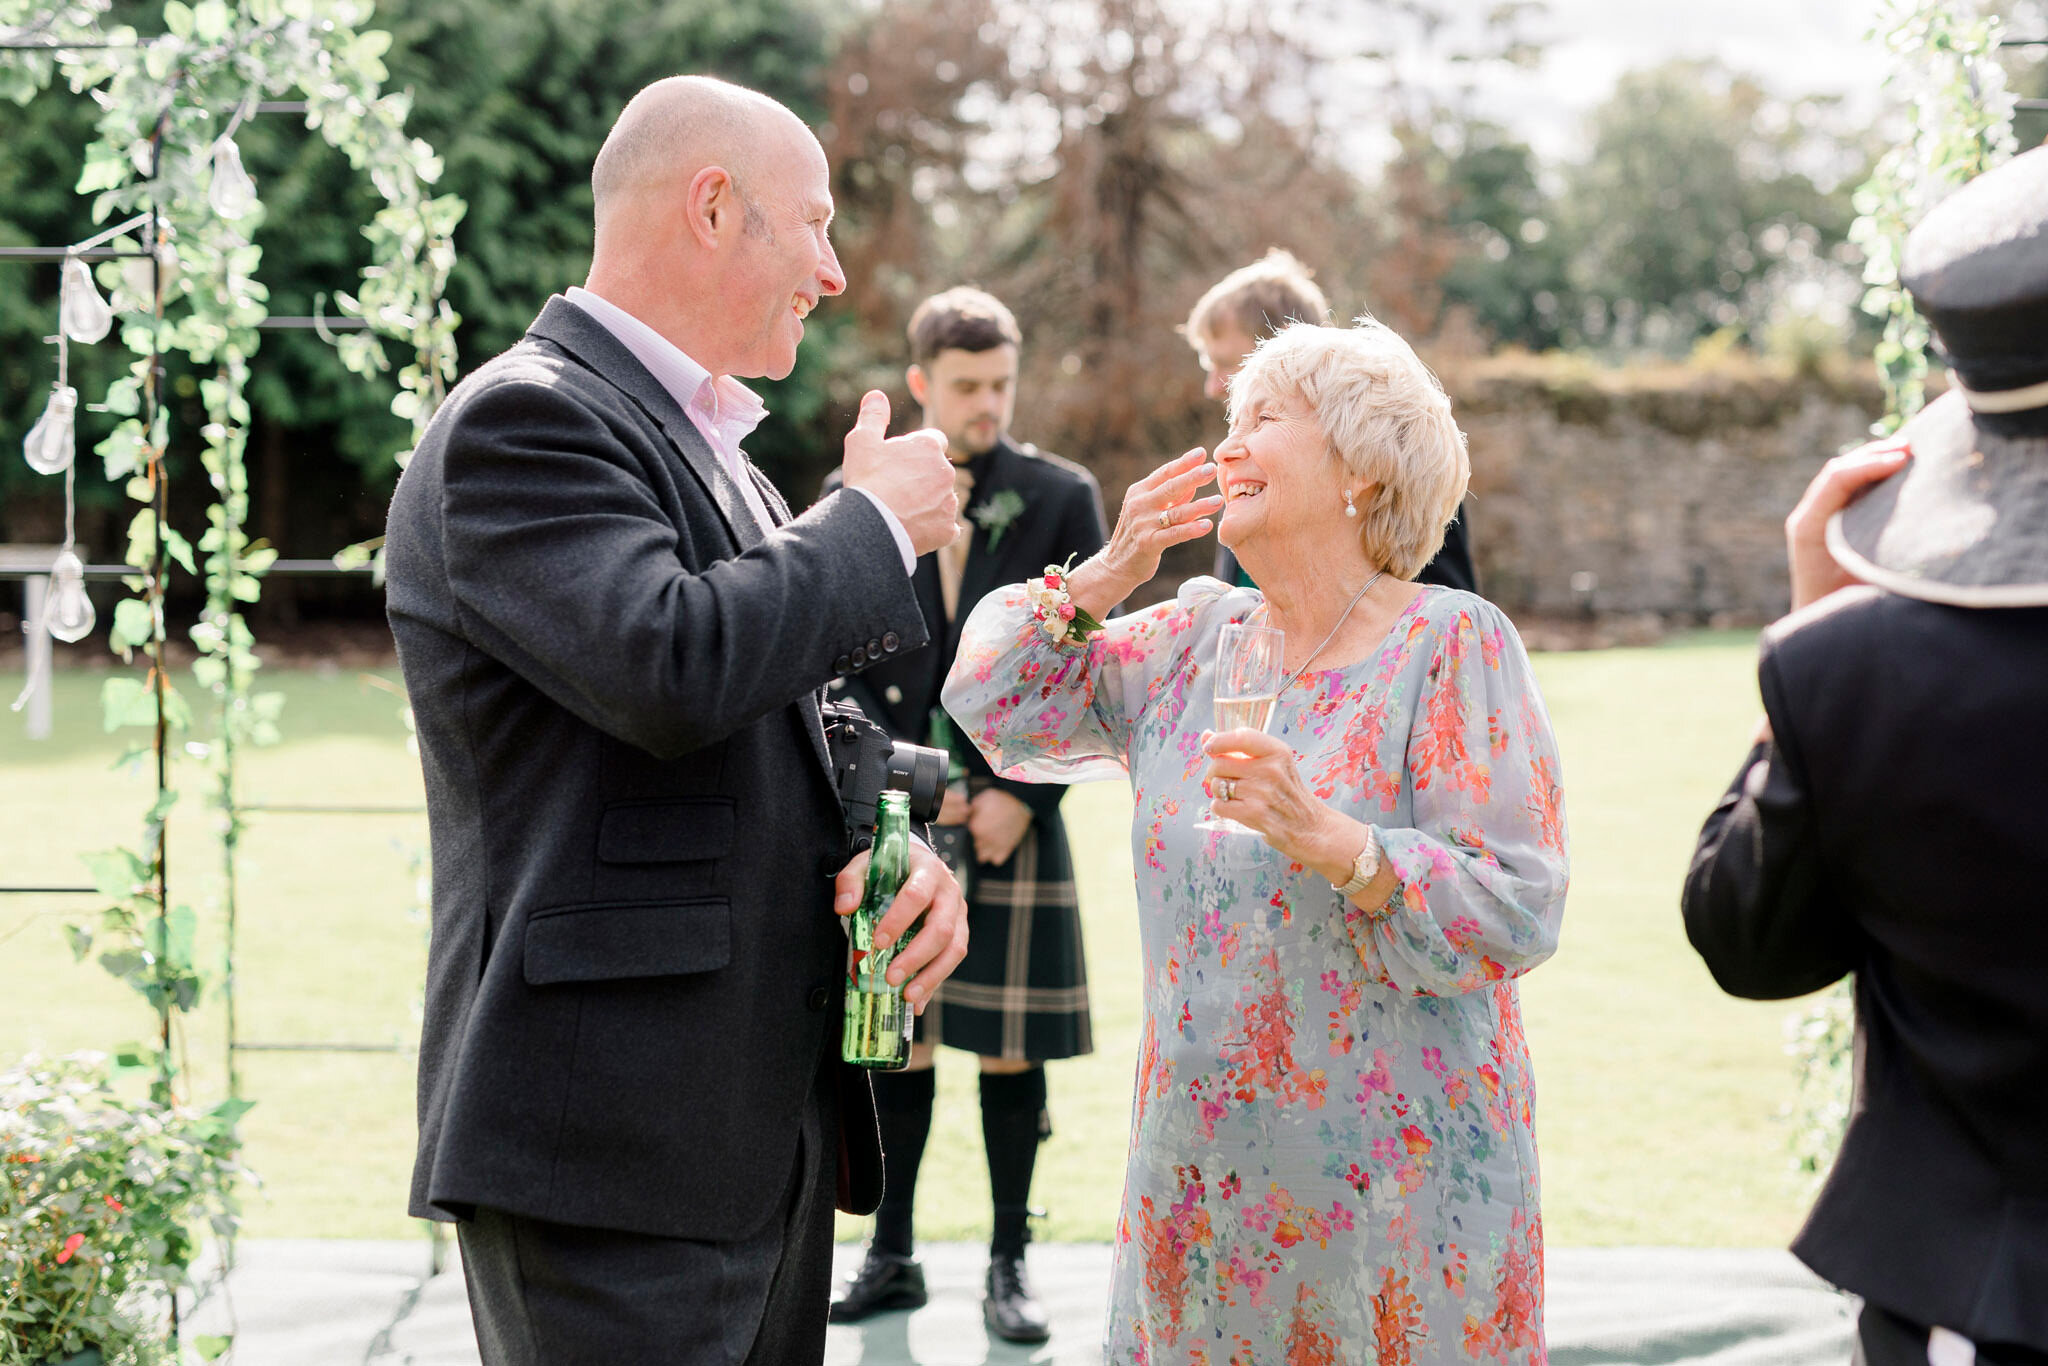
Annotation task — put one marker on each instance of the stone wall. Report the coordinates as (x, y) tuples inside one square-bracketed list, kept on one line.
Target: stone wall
[(1598, 492)]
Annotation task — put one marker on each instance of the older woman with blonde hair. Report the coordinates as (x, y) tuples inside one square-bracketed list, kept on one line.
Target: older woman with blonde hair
[(1332, 1155)]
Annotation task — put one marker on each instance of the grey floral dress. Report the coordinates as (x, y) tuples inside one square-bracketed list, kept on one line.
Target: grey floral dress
[(1332, 1154)]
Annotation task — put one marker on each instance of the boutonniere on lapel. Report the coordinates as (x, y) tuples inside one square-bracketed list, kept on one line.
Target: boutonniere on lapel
[(995, 515)]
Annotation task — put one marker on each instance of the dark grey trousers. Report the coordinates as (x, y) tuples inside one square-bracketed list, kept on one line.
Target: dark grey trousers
[(545, 1294)]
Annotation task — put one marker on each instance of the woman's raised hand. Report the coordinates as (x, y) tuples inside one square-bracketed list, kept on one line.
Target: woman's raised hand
[(1159, 510)]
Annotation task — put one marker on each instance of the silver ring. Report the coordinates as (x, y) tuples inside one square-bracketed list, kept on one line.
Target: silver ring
[(1226, 789), (1165, 518)]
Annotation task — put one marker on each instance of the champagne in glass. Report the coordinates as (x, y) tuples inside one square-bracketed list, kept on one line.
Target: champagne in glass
[(1244, 713), (1247, 686)]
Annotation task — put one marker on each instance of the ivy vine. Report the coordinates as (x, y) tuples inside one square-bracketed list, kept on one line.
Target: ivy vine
[(165, 153), (1944, 66)]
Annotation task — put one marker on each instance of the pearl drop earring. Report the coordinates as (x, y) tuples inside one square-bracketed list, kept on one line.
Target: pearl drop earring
[(1350, 507)]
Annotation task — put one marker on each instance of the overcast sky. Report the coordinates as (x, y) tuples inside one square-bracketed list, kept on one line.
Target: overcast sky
[(1796, 46)]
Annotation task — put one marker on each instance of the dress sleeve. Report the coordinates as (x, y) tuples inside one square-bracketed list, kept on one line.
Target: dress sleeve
[(1047, 713), (1484, 868)]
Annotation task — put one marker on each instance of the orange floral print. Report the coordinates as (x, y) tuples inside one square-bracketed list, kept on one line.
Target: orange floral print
[(1400, 1226)]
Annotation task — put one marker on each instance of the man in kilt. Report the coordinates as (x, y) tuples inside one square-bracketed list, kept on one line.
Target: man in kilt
[(1021, 996)]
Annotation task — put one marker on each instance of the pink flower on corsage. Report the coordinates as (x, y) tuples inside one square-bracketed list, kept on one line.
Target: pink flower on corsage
[(1054, 610)]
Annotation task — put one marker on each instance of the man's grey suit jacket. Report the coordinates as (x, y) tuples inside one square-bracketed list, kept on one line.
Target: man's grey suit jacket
[(635, 979)]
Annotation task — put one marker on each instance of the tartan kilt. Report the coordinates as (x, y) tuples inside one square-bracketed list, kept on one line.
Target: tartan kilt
[(1022, 991)]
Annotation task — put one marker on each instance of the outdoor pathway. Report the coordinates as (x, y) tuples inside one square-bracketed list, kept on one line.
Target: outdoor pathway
[(341, 1303)]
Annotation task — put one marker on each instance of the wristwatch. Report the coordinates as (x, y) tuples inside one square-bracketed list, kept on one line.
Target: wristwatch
[(1364, 868)]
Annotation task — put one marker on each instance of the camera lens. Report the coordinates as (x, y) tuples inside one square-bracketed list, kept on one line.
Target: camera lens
[(922, 773)]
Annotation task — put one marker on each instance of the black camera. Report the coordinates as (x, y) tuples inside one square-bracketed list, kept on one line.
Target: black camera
[(866, 762)]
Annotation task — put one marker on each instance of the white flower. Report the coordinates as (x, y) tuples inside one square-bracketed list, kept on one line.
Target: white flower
[(1054, 627)]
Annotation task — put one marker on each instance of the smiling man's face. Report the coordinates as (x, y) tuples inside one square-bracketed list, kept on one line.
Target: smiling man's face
[(784, 263)]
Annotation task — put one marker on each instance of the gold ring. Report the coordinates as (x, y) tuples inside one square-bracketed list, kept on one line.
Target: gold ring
[(1165, 518)]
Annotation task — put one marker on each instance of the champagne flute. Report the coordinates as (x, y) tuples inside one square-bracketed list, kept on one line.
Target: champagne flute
[(1247, 687)]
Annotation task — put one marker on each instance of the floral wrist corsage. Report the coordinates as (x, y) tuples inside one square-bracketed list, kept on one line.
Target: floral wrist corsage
[(1054, 607)]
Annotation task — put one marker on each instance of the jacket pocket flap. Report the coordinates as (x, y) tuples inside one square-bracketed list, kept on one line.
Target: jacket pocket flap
[(666, 832), (607, 941)]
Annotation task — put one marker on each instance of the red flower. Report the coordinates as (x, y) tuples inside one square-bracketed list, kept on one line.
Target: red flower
[(1417, 1141), (71, 1246), (1052, 580)]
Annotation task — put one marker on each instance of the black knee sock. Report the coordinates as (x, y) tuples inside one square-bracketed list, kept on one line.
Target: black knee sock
[(903, 1104), (1013, 1121)]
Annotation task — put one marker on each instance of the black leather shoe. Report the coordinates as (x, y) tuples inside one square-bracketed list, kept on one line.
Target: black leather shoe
[(1011, 1311), (884, 1281)]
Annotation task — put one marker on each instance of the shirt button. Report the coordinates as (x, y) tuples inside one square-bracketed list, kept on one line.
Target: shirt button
[(820, 998), (893, 693), (892, 642)]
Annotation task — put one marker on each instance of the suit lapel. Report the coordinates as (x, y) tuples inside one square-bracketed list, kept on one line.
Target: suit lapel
[(984, 568), (590, 342)]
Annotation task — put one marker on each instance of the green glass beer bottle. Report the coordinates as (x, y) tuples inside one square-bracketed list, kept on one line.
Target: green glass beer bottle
[(878, 1020)]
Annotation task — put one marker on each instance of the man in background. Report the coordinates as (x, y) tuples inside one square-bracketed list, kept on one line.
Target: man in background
[(1241, 310), (1020, 998)]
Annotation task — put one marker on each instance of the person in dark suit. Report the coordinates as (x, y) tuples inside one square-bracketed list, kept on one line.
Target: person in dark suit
[(1241, 310), (615, 639), (1890, 820), (1021, 996)]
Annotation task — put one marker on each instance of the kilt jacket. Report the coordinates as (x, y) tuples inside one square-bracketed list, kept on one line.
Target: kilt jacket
[(1061, 516), (635, 981)]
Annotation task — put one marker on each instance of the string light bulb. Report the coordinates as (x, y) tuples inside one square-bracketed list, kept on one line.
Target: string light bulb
[(81, 312), (51, 442), (68, 613), (232, 193)]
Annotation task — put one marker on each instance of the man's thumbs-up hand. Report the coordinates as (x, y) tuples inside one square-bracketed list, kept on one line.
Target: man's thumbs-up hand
[(909, 473)]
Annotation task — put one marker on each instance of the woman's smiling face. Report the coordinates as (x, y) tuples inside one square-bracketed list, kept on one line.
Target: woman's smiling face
[(1277, 475)]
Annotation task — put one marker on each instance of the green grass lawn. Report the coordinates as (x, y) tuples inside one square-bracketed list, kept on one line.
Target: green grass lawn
[(1659, 1099)]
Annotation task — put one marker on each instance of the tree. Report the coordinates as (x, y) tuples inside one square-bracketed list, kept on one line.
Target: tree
[(1098, 165), (1698, 187), (517, 95), (1513, 268)]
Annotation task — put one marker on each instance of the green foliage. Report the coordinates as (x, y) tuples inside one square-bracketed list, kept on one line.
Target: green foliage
[(1699, 204), (1943, 62), (99, 1198), (169, 107), (1514, 274)]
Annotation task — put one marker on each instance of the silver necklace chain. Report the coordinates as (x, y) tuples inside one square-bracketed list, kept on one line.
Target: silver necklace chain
[(1356, 598)]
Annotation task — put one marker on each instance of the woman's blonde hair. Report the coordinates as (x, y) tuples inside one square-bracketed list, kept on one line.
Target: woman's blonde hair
[(1389, 426)]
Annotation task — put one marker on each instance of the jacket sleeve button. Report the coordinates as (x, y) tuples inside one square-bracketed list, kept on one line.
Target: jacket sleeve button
[(860, 656), (874, 649), (842, 665), (892, 642)]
